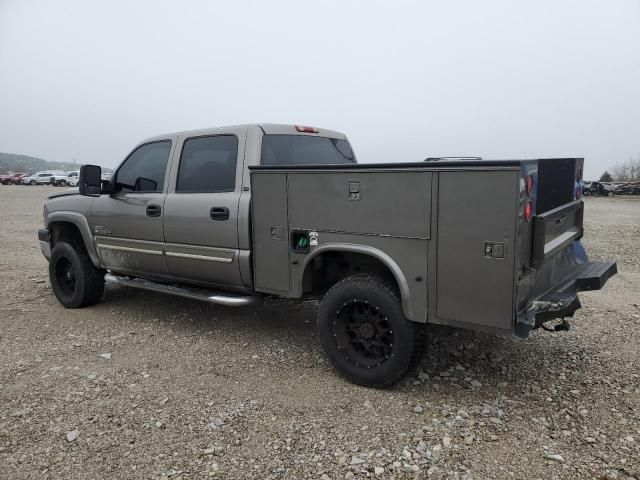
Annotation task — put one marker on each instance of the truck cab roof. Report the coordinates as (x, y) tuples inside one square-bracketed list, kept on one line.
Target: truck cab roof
[(266, 128)]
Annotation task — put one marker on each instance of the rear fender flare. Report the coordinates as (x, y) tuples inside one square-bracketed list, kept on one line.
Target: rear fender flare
[(386, 260)]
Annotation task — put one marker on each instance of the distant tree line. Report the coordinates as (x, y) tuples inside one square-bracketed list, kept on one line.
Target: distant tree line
[(14, 163), (628, 171)]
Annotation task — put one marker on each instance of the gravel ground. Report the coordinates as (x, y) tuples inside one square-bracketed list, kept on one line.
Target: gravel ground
[(150, 386)]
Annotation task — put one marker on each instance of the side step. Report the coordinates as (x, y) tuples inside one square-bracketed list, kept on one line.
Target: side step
[(193, 293)]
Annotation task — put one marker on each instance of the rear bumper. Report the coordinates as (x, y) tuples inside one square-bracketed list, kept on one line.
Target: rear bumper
[(44, 238), (563, 301)]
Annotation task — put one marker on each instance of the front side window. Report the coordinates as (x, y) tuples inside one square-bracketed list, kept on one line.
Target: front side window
[(145, 168), (305, 150), (208, 165)]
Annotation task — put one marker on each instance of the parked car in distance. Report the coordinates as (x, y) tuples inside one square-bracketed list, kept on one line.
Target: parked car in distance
[(106, 173), (599, 189), (16, 178), (41, 178), (630, 188), (72, 178), (592, 188), (5, 179), (68, 179)]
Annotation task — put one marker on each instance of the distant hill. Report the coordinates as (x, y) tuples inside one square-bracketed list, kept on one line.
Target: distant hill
[(10, 162)]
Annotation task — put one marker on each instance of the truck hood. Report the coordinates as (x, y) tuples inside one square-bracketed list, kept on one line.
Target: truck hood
[(68, 191)]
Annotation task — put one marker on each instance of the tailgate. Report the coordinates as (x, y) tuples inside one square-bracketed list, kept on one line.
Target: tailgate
[(554, 230), (554, 263)]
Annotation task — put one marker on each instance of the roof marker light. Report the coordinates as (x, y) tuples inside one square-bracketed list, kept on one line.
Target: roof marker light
[(303, 129)]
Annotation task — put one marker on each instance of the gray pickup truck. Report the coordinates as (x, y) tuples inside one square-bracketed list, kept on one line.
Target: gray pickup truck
[(229, 215)]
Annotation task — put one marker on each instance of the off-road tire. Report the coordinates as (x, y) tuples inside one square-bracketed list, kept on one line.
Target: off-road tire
[(75, 280), (407, 341)]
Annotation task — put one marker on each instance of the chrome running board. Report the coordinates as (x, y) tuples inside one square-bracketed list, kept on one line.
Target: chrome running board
[(194, 293)]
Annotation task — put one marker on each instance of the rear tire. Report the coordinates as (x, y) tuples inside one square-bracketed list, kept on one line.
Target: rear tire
[(62, 183), (76, 282), (365, 334)]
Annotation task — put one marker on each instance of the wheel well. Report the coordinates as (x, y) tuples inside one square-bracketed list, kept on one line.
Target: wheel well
[(327, 268), (66, 232)]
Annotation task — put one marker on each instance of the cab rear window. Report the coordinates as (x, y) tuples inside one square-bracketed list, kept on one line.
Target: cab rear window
[(305, 150)]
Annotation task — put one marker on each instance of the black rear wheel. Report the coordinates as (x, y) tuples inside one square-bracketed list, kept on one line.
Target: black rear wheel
[(76, 282), (365, 333)]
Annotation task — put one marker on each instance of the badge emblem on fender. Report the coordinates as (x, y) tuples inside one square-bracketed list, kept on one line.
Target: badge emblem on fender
[(313, 239)]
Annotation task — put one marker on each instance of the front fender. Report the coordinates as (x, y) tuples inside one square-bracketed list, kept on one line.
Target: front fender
[(80, 221)]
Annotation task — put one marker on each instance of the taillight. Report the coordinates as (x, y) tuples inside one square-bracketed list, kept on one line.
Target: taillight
[(528, 210), (529, 184), (303, 129)]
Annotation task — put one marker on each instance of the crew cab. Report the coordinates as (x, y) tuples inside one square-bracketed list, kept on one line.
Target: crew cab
[(230, 215)]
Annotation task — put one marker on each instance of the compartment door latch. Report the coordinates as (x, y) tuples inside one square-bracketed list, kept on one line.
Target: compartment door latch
[(354, 190), (494, 249)]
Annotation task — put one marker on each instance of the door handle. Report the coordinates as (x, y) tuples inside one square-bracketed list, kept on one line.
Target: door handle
[(219, 213), (154, 211)]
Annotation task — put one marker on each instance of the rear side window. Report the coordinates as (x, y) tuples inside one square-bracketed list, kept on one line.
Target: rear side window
[(208, 165), (144, 169), (305, 150)]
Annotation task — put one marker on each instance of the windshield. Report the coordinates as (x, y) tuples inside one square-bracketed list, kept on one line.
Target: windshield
[(305, 150)]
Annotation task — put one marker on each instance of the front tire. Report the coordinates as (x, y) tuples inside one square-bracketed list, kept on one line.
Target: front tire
[(365, 334), (32, 182), (76, 282)]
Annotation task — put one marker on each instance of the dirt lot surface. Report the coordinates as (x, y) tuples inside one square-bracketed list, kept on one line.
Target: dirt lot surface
[(150, 386)]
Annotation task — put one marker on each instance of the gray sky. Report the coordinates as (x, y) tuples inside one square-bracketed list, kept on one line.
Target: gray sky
[(403, 79)]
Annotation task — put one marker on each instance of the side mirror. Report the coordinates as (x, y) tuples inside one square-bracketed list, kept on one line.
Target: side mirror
[(89, 181)]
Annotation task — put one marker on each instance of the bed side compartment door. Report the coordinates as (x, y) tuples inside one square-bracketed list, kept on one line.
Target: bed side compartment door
[(476, 240), (270, 232)]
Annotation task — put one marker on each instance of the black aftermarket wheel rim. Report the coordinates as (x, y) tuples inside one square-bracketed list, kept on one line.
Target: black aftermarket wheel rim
[(363, 334), (65, 276)]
